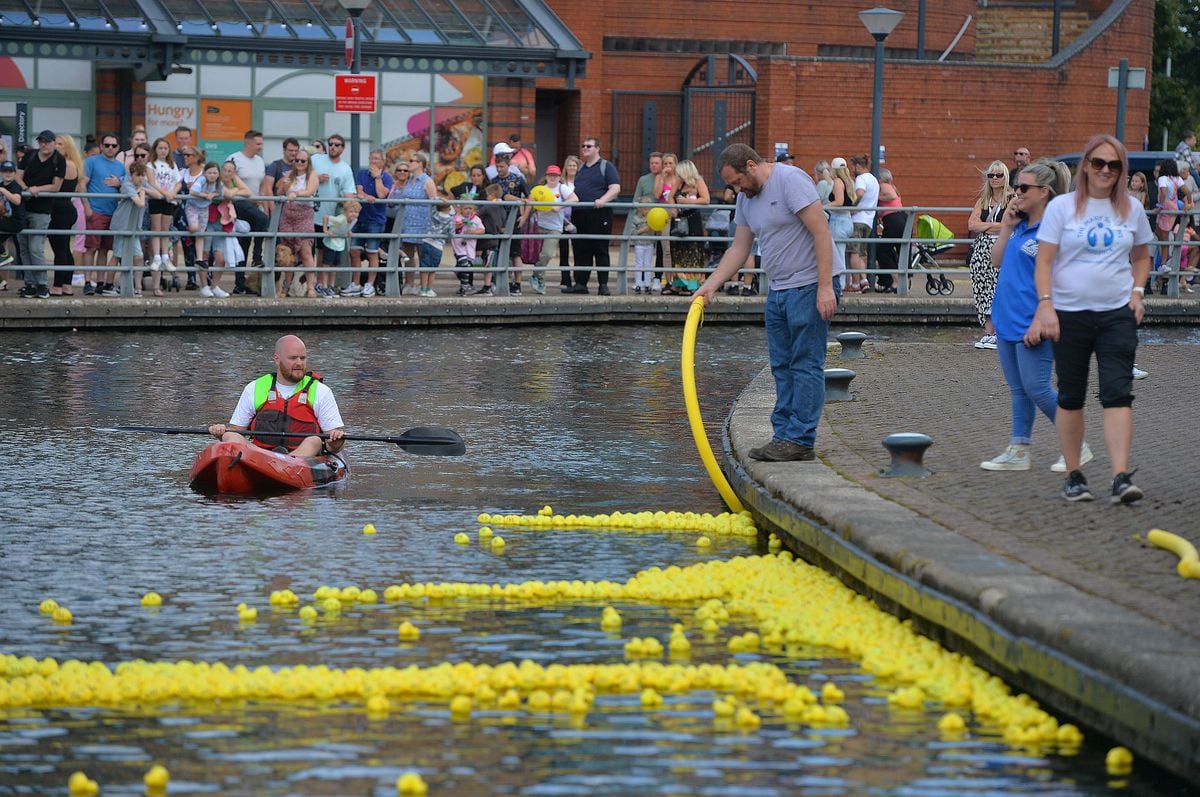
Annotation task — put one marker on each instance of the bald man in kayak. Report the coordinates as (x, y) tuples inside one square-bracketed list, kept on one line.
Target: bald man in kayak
[(293, 399)]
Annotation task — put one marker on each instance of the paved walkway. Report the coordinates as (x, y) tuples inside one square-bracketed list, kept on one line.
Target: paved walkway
[(1062, 599)]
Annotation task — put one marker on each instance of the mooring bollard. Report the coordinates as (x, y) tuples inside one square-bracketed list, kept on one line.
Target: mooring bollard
[(837, 384), (908, 454), (852, 345)]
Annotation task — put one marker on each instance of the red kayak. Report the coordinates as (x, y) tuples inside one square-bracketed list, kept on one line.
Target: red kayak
[(247, 469)]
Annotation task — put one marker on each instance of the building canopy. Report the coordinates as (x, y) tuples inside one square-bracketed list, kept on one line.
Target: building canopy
[(510, 38)]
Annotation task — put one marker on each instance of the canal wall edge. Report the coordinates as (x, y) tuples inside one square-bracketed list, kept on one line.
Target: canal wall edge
[(1079, 654)]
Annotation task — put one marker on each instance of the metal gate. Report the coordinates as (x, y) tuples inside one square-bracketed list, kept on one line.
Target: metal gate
[(718, 110), (643, 122), (714, 109)]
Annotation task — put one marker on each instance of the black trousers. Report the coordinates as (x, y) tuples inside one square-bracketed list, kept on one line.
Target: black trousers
[(591, 253), (253, 215), (888, 255), (62, 217)]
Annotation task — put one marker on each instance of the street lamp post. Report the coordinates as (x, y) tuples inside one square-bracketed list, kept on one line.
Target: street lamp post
[(879, 22), (355, 8)]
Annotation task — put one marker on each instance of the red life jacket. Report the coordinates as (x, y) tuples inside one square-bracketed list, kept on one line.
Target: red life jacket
[(272, 413)]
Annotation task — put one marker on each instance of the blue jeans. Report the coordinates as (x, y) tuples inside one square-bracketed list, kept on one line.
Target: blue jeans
[(796, 347), (1027, 371)]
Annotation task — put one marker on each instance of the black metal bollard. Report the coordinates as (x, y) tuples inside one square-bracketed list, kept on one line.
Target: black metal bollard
[(837, 384), (852, 345), (908, 454)]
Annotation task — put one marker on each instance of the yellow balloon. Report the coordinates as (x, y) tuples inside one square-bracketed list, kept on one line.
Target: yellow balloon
[(541, 193), (657, 219)]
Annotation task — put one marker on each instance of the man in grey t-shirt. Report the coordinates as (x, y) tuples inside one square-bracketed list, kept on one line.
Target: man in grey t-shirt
[(778, 205)]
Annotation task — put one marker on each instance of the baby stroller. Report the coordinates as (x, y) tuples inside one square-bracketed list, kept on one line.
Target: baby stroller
[(930, 239)]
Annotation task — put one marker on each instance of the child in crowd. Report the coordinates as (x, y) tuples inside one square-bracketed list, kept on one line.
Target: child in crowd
[(643, 249), (338, 229), (466, 222), (551, 222), (441, 222), (12, 212), (492, 215), (130, 214), (201, 194), (167, 180)]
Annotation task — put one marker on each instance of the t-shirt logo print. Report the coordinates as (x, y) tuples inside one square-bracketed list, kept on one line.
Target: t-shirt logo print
[(1100, 235)]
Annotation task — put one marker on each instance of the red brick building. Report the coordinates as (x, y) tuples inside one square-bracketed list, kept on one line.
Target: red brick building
[(943, 120)]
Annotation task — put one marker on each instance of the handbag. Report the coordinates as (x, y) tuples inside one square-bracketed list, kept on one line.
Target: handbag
[(679, 227)]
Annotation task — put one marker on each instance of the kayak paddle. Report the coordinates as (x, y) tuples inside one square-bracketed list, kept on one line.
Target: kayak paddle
[(424, 440)]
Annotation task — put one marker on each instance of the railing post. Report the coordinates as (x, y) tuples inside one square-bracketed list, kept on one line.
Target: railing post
[(266, 288), (1176, 258), (623, 255), (504, 256), (393, 283), (127, 279), (905, 254)]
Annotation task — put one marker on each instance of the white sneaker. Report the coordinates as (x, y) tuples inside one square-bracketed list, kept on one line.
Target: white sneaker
[(986, 342), (353, 289), (220, 294), (207, 292), (368, 290), (1085, 456), (168, 263), (155, 263), (1138, 373), (1015, 457), (655, 286)]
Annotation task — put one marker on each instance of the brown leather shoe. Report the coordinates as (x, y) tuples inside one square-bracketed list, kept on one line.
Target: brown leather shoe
[(783, 451)]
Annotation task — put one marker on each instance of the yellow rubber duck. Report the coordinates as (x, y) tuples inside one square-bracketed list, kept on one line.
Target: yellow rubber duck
[(369, 529), (408, 632), (152, 599), (156, 777), (410, 784)]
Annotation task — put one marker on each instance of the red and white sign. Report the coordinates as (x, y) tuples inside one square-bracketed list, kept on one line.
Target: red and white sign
[(349, 43), (355, 93)]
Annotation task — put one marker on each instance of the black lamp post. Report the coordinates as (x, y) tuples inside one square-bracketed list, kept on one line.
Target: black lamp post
[(879, 22)]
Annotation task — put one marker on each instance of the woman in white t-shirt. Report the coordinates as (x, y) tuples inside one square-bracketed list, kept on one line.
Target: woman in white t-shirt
[(1092, 264)]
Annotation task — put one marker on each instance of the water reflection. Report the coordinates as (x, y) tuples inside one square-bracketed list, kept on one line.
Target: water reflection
[(588, 419)]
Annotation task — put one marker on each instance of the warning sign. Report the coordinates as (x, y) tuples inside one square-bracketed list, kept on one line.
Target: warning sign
[(355, 93)]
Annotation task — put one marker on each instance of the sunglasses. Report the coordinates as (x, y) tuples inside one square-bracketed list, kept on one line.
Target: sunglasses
[(140, 155), (586, 146), (1019, 152), (300, 160), (336, 144), (1099, 163), (1024, 187), (995, 176), (110, 146)]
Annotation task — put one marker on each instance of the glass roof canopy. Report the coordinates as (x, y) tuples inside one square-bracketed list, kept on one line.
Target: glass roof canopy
[(504, 37)]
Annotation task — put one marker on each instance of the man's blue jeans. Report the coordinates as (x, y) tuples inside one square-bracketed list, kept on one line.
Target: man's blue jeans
[(1028, 371), (796, 337)]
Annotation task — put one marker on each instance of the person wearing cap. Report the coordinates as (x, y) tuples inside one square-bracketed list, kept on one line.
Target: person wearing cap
[(551, 223), (786, 157), (501, 148), (12, 210), (41, 172)]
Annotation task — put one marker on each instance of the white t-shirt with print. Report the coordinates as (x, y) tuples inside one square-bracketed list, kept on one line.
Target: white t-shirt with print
[(166, 176), (324, 406), (1092, 270)]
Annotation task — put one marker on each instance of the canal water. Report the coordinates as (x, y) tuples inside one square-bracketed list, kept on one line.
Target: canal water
[(587, 419)]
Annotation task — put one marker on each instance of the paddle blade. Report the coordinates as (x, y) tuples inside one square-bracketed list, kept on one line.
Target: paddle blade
[(431, 441)]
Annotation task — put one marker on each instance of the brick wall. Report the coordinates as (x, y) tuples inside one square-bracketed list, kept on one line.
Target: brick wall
[(942, 123)]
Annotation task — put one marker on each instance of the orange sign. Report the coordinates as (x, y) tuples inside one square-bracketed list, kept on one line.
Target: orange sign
[(224, 120), (354, 93)]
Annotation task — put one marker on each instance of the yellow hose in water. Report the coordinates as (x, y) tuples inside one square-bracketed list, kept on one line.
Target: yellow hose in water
[(688, 370), (1189, 562)]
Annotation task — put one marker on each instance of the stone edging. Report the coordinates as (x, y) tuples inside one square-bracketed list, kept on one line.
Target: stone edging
[(1081, 654)]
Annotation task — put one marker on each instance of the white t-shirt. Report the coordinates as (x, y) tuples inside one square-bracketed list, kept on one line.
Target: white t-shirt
[(166, 176), (1172, 185), (788, 249), (870, 198), (339, 185), (324, 406), (1092, 270), (553, 219), (251, 170)]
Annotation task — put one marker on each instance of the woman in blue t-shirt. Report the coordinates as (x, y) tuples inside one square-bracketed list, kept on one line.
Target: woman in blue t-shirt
[(1027, 369)]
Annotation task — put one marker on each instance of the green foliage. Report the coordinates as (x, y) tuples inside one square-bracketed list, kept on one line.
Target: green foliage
[(1174, 104)]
